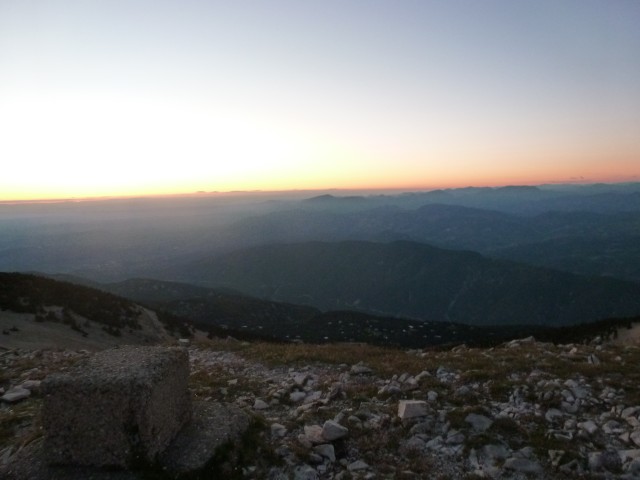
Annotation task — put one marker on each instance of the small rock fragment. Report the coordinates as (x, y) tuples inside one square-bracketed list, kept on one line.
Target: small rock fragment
[(326, 450), (412, 408), (15, 394), (260, 404), (278, 430), (361, 369), (357, 465), (297, 397), (479, 423), (332, 430)]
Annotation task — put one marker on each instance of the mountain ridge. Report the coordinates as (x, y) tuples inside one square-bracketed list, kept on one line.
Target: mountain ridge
[(415, 280)]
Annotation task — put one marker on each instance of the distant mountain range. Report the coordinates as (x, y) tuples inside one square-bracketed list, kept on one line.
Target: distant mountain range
[(586, 229), (413, 280), (580, 242), (477, 256)]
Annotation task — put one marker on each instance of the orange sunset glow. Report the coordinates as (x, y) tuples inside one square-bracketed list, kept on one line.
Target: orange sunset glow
[(411, 95)]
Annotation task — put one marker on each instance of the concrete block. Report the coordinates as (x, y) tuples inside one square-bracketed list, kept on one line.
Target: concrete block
[(120, 408)]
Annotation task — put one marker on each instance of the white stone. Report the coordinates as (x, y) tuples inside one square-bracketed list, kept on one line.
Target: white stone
[(479, 423), (412, 408), (332, 430), (434, 443), (297, 397), (305, 472), (580, 392), (357, 465), (626, 455), (313, 397), (589, 426), (326, 450), (31, 385), (15, 395), (612, 427), (568, 396), (278, 430), (260, 404), (361, 369), (553, 414), (313, 434), (300, 379)]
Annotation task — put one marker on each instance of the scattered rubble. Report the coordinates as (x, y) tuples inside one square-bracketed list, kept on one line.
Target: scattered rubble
[(522, 410)]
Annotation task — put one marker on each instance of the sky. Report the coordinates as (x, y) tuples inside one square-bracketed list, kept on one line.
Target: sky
[(136, 97)]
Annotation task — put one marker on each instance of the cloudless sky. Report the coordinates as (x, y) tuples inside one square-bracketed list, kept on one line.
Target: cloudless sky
[(118, 97)]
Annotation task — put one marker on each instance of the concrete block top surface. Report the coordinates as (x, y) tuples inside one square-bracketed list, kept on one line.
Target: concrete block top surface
[(119, 407), (123, 365)]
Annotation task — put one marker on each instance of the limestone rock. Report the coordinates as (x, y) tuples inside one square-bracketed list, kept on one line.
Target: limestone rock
[(326, 450), (361, 369), (332, 430), (15, 394), (305, 472), (278, 430), (589, 426), (358, 465), (313, 434), (479, 423), (32, 385), (523, 465), (297, 397), (412, 409)]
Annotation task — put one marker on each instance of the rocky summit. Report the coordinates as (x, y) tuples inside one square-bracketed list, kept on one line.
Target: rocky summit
[(522, 410)]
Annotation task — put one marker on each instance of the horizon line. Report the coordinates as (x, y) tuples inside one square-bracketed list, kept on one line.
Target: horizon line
[(372, 190)]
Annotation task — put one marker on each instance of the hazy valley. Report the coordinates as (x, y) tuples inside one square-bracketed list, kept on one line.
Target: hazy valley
[(374, 299)]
